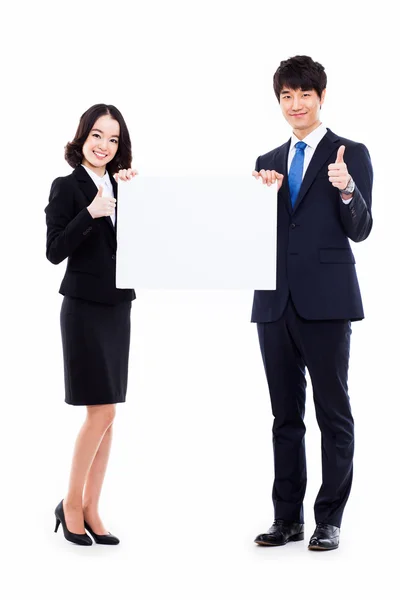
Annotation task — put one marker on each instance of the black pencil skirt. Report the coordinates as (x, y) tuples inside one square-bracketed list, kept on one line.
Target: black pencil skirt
[(95, 340)]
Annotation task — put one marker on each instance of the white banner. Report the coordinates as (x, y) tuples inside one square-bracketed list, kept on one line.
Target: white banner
[(196, 233)]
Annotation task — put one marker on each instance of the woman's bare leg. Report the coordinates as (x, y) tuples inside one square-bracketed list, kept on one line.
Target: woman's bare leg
[(94, 483), (98, 420)]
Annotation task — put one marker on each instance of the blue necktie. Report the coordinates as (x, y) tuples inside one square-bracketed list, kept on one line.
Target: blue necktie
[(296, 171)]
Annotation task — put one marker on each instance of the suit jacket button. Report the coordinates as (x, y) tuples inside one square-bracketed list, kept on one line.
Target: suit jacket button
[(293, 225), (113, 257)]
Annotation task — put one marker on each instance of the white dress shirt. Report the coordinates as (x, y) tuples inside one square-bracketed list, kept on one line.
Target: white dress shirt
[(312, 140), (106, 184)]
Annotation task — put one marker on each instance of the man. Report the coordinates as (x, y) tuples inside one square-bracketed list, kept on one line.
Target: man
[(306, 322)]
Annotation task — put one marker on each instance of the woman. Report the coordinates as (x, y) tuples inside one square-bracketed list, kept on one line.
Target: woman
[(95, 316)]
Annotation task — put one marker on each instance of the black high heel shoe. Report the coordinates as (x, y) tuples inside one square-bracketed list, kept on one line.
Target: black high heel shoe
[(77, 538), (109, 539)]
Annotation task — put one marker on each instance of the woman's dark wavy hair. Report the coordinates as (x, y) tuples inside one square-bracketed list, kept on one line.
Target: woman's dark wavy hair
[(123, 157), (300, 73)]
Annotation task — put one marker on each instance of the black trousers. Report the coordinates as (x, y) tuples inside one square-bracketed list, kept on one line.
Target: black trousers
[(288, 347)]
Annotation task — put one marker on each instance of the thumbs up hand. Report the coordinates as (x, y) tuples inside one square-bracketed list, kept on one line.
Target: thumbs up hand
[(340, 154), (101, 206), (337, 171)]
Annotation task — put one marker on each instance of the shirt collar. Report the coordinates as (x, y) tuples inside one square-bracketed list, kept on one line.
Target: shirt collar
[(96, 178), (312, 139)]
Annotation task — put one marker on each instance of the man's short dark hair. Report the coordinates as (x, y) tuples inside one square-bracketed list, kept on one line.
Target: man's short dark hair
[(300, 73)]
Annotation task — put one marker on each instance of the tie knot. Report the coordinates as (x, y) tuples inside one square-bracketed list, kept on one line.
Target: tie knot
[(300, 146)]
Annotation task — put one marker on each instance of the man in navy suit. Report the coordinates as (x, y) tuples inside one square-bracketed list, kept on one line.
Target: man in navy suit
[(323, 202)]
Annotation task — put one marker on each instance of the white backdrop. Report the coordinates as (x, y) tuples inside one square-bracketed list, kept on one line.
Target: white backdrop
[(190, 475)]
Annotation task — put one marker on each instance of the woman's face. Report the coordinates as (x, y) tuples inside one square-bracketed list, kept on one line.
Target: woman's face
[(101, 144)]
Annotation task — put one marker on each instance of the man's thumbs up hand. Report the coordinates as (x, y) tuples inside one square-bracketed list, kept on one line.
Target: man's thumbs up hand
[(340, 154), (337, 171)]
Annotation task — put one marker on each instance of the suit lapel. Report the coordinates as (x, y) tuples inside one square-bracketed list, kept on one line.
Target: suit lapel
[(115, 190), (325, 148), (108, 219), (281, 167), (86, 184)]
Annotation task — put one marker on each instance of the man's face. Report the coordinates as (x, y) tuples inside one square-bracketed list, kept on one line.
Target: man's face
[(301, 109)]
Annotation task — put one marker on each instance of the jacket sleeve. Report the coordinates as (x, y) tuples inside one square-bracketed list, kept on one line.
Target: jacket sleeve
[(356, 216), (66, 230)]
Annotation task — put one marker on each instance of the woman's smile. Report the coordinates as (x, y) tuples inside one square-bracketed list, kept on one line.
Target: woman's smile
[(99, 154)]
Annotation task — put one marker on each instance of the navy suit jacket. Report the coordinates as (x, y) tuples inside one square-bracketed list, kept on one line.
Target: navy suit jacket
[(315, 263), (89, 244)]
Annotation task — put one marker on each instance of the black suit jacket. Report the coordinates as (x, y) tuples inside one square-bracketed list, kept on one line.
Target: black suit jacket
[(90, 244), (315, 263)]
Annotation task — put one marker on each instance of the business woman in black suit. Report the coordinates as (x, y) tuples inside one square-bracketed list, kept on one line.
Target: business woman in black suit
[(95, 316)]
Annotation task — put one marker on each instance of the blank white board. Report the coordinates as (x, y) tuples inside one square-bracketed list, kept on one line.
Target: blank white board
[(196, 233)]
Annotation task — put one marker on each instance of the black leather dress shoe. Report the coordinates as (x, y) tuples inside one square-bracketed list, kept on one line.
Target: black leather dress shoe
[(280, 533), (325, 537)]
